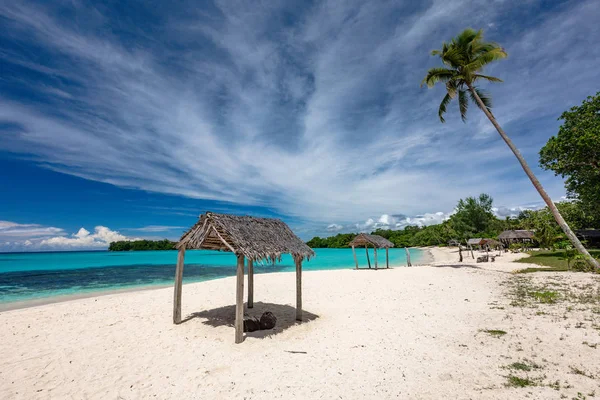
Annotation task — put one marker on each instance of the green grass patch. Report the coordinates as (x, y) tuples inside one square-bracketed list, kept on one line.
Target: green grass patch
[(516, 381), (523, 366), (494, 332), (552, 261), (545, 297)]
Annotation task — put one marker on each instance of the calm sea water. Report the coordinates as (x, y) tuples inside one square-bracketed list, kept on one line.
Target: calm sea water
[(27, 276)]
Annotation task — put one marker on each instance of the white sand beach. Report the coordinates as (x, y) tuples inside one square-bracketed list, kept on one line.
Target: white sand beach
[(403, 333)]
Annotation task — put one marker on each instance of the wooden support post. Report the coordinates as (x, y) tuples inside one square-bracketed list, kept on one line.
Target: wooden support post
[(239, 301), (375, 252), (299, 289), (387, 258), (250, 284), (368, 259), (355, 259), (178, 285), (408, 263)]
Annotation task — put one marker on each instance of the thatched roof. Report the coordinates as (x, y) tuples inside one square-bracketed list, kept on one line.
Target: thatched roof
[(363, 239), (517, 234), (474, 241), (255, 238)]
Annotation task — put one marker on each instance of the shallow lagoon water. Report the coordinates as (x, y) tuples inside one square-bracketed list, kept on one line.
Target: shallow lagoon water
[(28, 276)]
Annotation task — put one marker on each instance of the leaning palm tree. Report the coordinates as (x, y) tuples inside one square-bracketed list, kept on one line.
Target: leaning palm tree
[(464, 58)]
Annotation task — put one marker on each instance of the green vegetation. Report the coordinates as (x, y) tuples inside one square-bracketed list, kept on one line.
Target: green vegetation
[(574, 154), (137, 245), (545, 297), (495, 332), (474, 218), (516, 381), (463, 60), (553, 261), (523, 366)]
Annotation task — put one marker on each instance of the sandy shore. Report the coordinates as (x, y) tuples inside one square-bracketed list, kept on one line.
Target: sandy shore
[(415, 332)]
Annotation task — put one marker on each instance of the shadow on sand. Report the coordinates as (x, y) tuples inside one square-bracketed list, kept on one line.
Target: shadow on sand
[(456, 266), (225, 316)]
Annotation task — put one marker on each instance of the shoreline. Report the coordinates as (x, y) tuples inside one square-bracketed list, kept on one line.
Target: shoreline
[(446, 329), (425, 259)]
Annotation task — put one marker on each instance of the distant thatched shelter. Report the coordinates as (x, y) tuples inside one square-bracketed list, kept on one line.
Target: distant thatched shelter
[(516, 236), (453, 242), (474, 241), (375, 241), (252, 238)]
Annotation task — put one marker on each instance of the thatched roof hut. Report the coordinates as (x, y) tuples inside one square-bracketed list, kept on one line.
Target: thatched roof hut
[(364, 239), (254, 238), (512, 236), (474, 241), (250, 238), (375, 241)]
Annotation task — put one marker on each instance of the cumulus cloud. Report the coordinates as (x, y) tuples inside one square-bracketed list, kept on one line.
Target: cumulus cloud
[(34, 237), (101, 238), (320, 118), (334, 228)]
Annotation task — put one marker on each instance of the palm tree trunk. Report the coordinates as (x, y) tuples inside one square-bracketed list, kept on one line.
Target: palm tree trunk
[(559, 219)]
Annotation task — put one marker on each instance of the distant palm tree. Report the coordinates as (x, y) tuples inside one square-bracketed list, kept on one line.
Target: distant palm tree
[(464, 58)]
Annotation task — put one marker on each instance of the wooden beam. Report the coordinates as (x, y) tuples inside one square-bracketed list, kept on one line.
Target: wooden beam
[(239, 301), (387, 258), (223, 240), (355, 259), (299, 289), (178, 286), (250, 284), (375, 252), (408, 263), (368, 259)]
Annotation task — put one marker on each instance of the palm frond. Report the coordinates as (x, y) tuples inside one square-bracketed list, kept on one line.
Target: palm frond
[(463, 104), (485, 58), (435, 75), (487, 78), (451, 88), (447, 99)]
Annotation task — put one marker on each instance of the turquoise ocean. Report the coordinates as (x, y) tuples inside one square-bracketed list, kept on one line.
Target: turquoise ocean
[(30, 276)]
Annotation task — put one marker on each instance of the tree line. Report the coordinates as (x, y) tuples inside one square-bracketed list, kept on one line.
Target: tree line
[(474, 217), (137, 245)]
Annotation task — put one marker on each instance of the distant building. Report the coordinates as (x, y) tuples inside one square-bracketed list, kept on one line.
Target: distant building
[(475, 242), (516, 236)]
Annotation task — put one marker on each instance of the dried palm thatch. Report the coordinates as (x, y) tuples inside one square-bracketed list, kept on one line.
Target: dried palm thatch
[(254, 238), (364, 239), (516, 235)]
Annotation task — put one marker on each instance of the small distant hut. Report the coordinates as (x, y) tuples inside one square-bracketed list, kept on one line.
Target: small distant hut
[(253, 239), (474, 242), (375, 241), (516, 236), (453, 242), (591, 236)]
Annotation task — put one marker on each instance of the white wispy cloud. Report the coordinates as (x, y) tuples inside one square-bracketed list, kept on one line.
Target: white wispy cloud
[(101, 238), (322, 119), (157, 228), (14, 231), (35, 237)]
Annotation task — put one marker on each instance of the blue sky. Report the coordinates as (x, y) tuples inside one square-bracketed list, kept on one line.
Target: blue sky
[(129, 119)]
